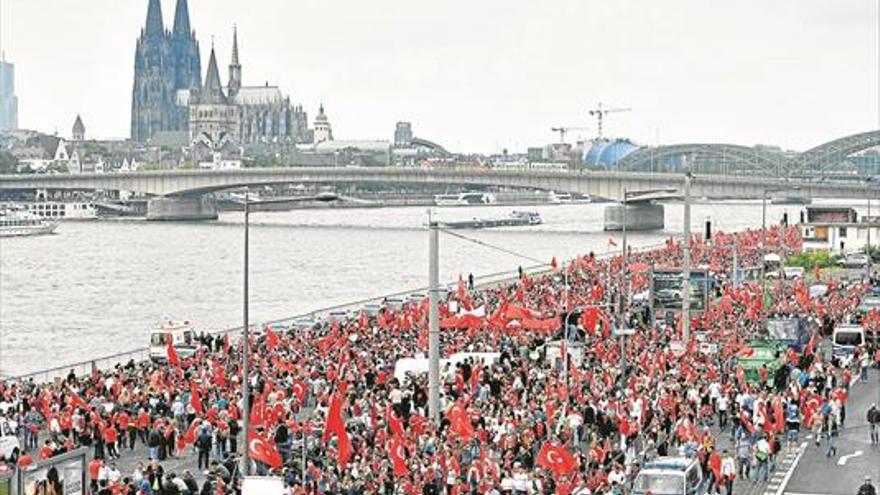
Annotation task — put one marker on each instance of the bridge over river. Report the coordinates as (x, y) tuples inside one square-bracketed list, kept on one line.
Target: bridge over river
[(180, 194)]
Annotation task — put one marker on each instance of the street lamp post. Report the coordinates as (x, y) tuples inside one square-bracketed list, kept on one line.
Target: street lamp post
[(245, 382), (433, 321), (245, 353)]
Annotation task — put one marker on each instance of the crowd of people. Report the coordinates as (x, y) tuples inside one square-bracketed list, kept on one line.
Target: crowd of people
[(330, 415)]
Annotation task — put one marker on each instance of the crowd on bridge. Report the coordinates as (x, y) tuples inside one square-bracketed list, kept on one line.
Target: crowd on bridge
[(331, 414)]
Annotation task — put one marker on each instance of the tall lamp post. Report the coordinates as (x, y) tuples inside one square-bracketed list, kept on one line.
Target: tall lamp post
[(245, 353)]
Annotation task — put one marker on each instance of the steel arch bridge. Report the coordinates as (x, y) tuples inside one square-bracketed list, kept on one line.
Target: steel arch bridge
[(759, 160), (727, 158), (834, 152)]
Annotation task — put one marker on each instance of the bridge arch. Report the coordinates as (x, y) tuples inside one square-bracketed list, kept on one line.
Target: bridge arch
[(833, 153), (709, 158)]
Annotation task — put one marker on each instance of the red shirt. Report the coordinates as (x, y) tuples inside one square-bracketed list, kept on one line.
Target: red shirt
[(143, 420), (94, 468), (110, 434), (45, 452), (25, 460)]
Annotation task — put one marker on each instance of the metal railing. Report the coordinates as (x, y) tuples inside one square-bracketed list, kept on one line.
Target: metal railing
[(141, 354)]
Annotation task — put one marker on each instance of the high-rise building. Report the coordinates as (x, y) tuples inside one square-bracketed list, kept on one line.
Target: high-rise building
[(403, 134), (8, 100), (167, 65)]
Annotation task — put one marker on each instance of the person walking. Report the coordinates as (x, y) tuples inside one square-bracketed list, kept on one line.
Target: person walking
[(203, 445), (728, 471), (830, 449), (867, 488), (873, 417)]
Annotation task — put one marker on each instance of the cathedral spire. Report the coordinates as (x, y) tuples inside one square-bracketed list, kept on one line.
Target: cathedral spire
[(212, 91), (234, 67), (154, 19), (234, 45), (181, 20)]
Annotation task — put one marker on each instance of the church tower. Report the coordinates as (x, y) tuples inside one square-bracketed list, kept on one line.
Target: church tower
[(185, 49), (152, 100), (167, 67), (234, 67), (213, 120)]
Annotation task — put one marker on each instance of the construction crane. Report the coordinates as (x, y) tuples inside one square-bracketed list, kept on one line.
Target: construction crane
[(600, 112), (563, 130)]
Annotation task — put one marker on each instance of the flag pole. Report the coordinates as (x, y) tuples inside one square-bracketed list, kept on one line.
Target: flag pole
[(433, 321)]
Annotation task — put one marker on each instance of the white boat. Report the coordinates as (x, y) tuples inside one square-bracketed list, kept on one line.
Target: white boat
[(58, 210), (18, 223), (464, 199)]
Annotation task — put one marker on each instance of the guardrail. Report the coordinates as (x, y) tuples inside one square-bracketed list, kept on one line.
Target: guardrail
[(140, 354)]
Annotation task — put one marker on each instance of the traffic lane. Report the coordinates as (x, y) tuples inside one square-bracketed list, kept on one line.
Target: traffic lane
[(817, 474)]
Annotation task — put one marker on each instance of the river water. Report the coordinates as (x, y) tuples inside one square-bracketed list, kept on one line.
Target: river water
[(97, 288)]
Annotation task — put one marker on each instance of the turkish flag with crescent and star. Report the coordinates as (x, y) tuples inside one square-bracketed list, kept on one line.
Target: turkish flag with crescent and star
[(397, 454), (263, 449), (557, 459)]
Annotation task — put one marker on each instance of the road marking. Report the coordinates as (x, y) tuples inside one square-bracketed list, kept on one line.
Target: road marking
[(844, 458), (794, 463)]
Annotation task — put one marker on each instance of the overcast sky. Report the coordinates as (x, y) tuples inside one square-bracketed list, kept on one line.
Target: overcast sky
[(479, 75)]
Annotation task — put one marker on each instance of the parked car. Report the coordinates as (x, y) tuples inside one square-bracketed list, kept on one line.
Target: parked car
[(854, 260)]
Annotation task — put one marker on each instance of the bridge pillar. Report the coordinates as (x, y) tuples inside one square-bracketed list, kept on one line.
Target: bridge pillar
[(639, 216), (183, 208)]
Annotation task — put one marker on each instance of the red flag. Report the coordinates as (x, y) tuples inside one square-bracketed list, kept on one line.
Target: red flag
[(334, 422), (263, 449), (77, 402), (556, 458), (300, 389), (460, 422), (189, 437), (258, 411), (335, 425), (395, 424), (397, 454), (272, 339), (553, 264), (173, 358), (195, 400)]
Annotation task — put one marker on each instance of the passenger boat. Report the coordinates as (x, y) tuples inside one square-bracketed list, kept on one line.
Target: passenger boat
[(58, 210), (18, 223)]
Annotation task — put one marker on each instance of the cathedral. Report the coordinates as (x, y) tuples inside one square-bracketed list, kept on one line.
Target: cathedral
[(169, 96), (166, 64)]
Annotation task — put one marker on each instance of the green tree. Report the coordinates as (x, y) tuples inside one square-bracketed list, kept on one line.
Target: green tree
[(8, 163)]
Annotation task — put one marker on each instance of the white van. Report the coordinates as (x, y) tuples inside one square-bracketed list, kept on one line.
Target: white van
[(9, 444), (183, 338), (670, 476), (845, 339)]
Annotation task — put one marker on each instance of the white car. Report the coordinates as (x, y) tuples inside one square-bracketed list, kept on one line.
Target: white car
[(855, 260), (9, 444), (670, 476), (793, 272)]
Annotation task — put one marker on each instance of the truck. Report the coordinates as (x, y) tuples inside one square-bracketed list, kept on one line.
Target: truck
[(181, 335), (762, 353)]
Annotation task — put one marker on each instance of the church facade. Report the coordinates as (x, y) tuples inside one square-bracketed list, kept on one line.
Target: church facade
[(166, 64), (169, 94)]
